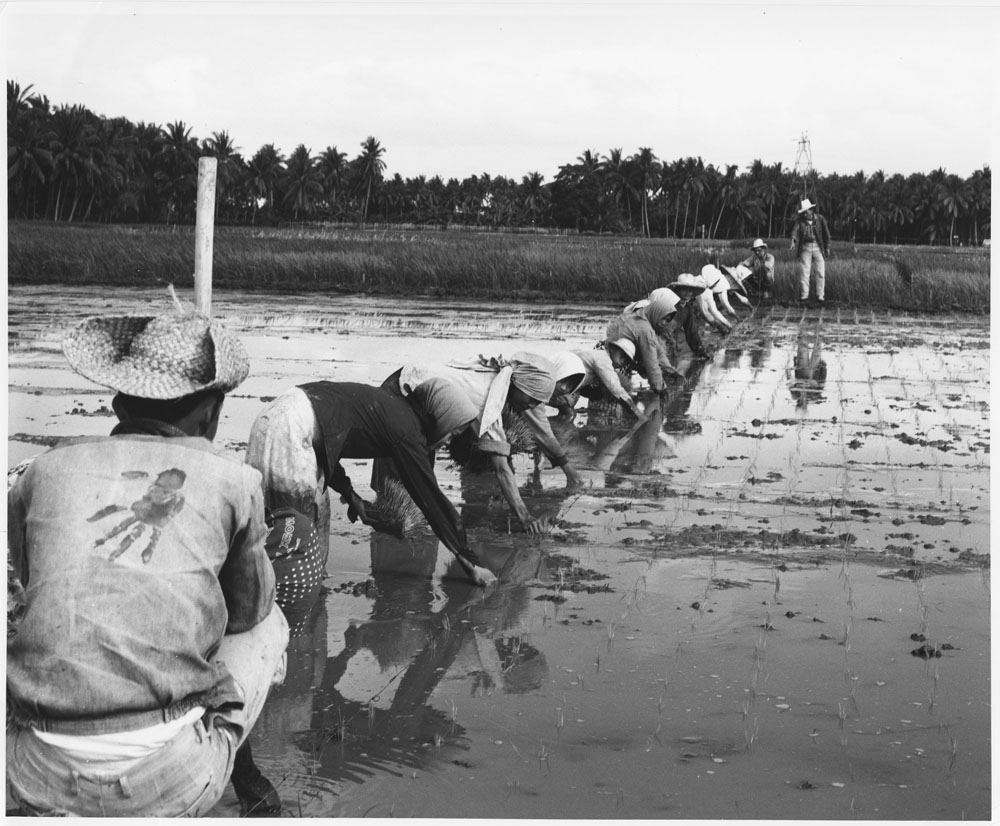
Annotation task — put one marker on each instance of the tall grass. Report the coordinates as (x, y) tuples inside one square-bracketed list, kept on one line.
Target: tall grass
[(464, 264)]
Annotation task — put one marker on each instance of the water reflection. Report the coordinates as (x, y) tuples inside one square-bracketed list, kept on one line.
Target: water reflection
[(370, 707), (809, 372)]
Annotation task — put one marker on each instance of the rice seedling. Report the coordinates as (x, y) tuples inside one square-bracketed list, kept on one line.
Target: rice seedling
[(393, 511), (543, 758)]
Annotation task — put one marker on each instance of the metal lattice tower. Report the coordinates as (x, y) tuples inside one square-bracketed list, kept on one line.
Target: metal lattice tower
[(803, 162)]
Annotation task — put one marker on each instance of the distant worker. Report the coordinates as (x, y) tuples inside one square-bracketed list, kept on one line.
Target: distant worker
[(721, 282), (761, 266), (811, 243), (691, 290)]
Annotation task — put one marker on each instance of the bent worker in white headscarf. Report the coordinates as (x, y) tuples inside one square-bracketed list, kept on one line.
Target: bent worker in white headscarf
[(524, 383)]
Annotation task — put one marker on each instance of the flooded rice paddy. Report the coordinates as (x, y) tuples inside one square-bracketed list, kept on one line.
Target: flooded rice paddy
[(771, 600)]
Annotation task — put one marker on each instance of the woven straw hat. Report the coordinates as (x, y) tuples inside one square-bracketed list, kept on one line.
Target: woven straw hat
[(691, 284), (806, 205), (157, 357), (736, 276), (758, 243)]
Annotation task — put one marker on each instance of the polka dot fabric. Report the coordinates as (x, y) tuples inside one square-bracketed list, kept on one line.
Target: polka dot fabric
[(299, 562)]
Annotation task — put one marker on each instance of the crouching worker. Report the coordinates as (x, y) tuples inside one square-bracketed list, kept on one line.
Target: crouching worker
[(151, 634)]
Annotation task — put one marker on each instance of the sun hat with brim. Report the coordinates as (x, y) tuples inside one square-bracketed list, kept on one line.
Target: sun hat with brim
[(714, 279), (157, 357), (806, 204), (758, 243), (627, 346), (690, 284), (736, 276)]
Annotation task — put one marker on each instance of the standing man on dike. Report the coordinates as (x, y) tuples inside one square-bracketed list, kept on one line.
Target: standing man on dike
[(811, 243), (761, 266), (298, 440), (151, 634)]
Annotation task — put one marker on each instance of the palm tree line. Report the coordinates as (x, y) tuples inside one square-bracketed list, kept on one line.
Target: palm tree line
[(67, 164)]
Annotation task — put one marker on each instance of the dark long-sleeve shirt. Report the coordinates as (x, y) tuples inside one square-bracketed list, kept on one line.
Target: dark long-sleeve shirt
[(362, 422)]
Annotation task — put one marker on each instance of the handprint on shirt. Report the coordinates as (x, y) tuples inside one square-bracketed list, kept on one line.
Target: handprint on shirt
[(149, 515)]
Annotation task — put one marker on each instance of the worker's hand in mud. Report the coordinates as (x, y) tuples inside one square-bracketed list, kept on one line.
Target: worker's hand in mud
[(535, 526), (482, 577), (477, 573), (355, 507)]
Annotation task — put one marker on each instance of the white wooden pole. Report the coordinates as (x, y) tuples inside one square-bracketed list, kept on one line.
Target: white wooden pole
[(204, 235)]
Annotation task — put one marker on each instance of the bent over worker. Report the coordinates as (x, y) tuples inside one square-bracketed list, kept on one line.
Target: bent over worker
[(298, 440)]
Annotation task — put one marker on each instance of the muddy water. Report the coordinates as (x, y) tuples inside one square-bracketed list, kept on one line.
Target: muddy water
[(722, 624)]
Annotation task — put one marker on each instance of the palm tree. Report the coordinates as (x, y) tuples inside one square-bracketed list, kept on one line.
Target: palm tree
[(852, 207), (332, 165), (29, 141), (533, 197), (952, 196), (303, 182), (746, 207), (264, 173), (75, 155), (372, 167), (767, 185), (647, 173), (229, 164), (176, 169), (614, 169), (695, 183), (979, 199), (726, 195)]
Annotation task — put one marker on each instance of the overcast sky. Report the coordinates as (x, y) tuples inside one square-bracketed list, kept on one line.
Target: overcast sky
[(508, 88)]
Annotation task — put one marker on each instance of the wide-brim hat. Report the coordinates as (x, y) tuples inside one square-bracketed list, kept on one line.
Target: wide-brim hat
[(806, 204), (627, 346), (758, 243), (157, 357), (736, 276), (690, 284), (714, 279)]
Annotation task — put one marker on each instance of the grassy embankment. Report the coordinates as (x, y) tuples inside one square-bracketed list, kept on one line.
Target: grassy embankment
[(469, 264)]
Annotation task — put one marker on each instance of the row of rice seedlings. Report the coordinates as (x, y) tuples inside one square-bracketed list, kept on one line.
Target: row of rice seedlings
[(932, 672)]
